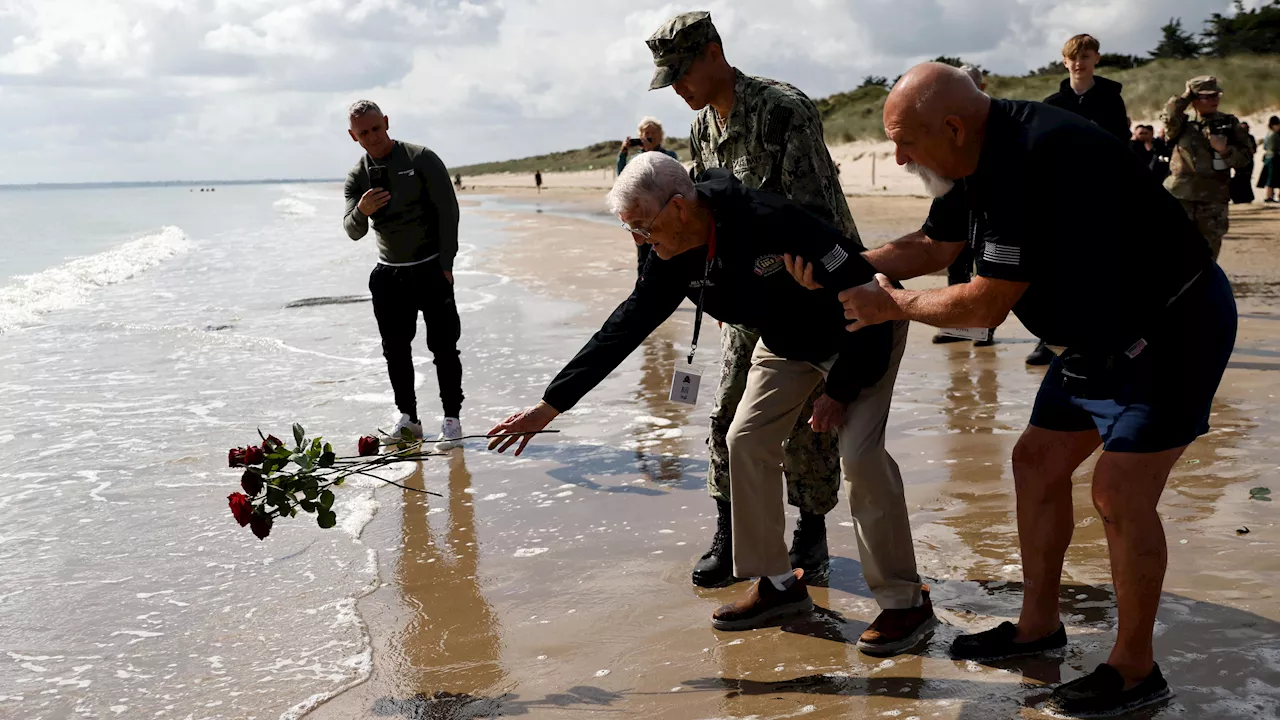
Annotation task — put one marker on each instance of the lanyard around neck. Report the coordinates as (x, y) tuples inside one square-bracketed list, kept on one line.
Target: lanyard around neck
[(702, 292)]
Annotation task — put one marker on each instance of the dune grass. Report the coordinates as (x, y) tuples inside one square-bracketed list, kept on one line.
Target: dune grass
[(1251, 82)]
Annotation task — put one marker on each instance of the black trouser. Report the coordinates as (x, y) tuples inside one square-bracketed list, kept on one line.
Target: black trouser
[(961, 270), (399, 294)]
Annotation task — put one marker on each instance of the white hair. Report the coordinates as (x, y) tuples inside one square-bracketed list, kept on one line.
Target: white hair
[(974, 74), (649, 180), (647, 121)]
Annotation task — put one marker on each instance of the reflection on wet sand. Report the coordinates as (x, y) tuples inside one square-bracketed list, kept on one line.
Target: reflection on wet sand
[(658, 449), (450, 647)]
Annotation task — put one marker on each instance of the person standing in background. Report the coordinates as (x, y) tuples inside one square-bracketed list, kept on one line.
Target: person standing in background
[(1241, 187), (1090, 96), (405, 190), (1203, 153), (537, 180), (1269, 178), (650, 139), (961, 271)]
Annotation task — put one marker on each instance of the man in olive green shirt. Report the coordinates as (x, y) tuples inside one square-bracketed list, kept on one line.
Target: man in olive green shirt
[(406, 191), (769, 135)]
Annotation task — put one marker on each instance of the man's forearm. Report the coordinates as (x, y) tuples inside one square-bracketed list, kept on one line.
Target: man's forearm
[(355, 223), (912, 256), (955, 306)]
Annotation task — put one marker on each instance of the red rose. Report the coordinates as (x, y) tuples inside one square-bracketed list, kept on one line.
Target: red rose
[(251, 481), (235, 457), (253, 455), (369, 445), (260, 525), (240, 508), (271, 443)]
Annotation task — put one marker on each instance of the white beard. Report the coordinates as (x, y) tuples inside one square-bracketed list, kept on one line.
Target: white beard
[(934, 184)]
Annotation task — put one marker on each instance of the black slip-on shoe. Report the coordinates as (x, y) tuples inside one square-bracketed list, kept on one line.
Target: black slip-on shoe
[(1101, 693), (998, 643)]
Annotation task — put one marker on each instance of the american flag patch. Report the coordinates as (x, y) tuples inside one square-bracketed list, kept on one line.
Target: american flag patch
[(835, 258), (1003, 254)]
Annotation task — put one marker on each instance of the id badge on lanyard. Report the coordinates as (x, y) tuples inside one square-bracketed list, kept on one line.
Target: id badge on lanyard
[(687, 378)]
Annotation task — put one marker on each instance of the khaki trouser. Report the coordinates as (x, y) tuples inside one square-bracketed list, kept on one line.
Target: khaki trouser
[(776, 391), (811, 461)]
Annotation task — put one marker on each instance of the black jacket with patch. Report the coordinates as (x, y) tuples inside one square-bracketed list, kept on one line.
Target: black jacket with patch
[(747, 284), (1102, 104)]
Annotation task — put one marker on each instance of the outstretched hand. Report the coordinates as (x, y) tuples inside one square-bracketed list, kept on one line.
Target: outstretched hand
[(529, 421)]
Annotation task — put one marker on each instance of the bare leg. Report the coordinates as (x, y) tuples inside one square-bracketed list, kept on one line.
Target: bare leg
[(1126, 489), (1043, 461)]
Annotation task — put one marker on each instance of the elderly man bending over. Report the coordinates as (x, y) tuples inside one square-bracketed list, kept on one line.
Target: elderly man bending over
[(721, 245), (1140, 319)]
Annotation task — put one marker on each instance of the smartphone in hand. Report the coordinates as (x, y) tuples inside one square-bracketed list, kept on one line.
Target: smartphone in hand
[(379, 178)]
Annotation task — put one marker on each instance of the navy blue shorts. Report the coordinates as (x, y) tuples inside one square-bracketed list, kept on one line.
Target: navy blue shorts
[(1166, 403)]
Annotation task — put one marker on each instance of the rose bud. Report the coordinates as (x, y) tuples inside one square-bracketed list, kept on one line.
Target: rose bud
[(271, 443), (251, 481), (260, 525), (369, 445), (253, 455), (235, 457), (240, 508)]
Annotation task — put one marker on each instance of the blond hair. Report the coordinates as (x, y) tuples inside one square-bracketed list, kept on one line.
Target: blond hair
[(1079, 44)]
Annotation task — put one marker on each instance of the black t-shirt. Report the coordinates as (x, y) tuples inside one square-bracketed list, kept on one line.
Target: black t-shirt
[(1059, 203), (747, 284)]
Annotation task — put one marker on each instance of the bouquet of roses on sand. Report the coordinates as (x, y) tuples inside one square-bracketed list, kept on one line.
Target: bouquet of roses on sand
[(279, 480)]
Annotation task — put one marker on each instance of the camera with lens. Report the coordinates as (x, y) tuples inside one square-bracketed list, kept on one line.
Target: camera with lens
[(1220, 125)]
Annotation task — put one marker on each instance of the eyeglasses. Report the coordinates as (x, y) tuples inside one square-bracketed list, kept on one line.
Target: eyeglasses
[(646, 232)]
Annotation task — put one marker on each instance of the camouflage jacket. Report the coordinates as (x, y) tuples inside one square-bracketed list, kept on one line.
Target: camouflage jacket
[(773, 141), (1192, 176)]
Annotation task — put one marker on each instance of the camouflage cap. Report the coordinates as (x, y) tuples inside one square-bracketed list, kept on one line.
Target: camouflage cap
[(677, 44), (1205, 85)]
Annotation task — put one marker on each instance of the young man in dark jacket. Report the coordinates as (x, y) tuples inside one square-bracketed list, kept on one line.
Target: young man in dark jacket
[(1093, 98)]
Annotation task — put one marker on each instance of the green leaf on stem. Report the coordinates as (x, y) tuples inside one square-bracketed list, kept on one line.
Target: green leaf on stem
[(326, 499), (326, 519), (277, 497), (327, 458), (307, 505), (299, 435)]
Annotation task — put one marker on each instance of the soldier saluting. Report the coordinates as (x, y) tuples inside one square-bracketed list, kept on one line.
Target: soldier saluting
[(1204, 152)]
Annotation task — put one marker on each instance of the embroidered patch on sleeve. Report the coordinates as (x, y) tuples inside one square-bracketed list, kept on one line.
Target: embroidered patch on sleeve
[(835, 258), (1002, 254), (767, 265)]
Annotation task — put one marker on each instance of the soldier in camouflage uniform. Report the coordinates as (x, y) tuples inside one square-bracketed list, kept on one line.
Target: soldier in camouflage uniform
[(1204, 151), (772, 140)]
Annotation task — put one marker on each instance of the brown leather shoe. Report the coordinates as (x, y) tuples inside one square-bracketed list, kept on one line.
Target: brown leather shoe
[(764, 604), (896, 630)]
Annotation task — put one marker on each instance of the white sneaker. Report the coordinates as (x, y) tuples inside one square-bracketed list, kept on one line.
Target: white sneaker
[(450, 432), (404, 423)]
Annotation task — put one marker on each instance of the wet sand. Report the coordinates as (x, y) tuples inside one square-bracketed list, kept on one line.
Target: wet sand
[(556, 585)]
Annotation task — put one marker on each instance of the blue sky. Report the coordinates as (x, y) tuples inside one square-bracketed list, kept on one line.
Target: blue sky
[(109, 90)]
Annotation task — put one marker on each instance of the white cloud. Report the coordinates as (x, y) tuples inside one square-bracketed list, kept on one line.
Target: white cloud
[(159, 89)]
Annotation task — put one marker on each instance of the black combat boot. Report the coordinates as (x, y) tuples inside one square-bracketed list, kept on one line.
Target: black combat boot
[(809, 548), (715, 569)]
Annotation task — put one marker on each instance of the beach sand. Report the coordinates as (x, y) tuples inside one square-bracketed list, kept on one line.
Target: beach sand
[(556, 585)]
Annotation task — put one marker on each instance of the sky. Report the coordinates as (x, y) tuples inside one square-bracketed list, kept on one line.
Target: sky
[(138, 90)]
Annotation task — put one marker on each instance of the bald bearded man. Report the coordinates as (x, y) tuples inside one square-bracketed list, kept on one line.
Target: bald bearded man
[(1141, 320)]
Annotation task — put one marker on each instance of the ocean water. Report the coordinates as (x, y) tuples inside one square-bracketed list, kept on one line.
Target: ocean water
[(143, 332)]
